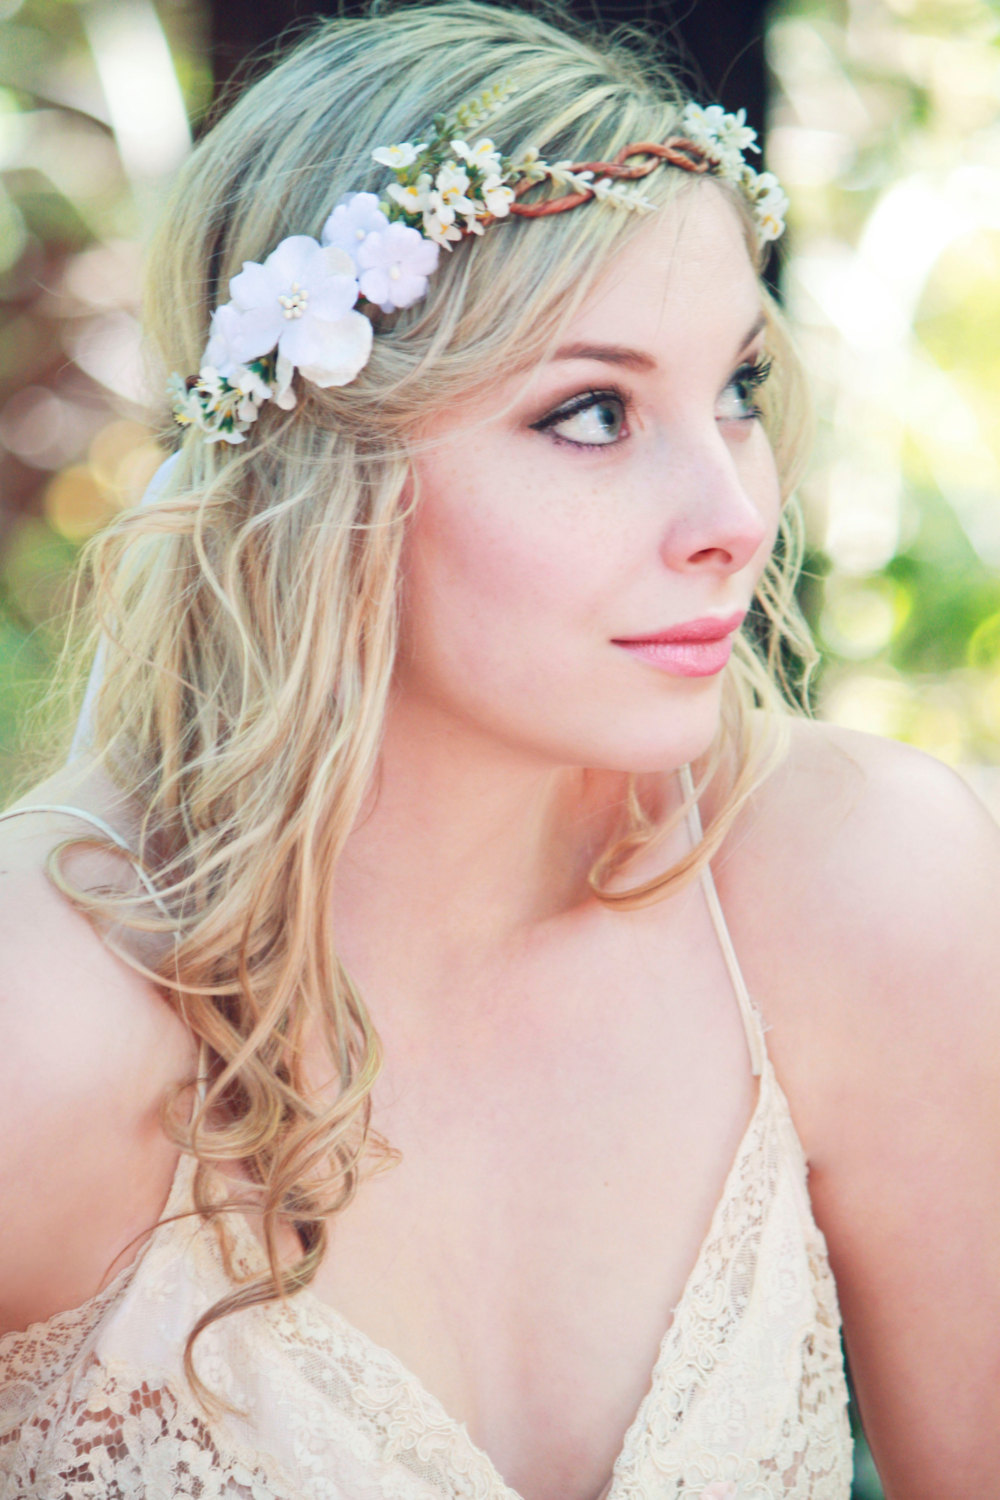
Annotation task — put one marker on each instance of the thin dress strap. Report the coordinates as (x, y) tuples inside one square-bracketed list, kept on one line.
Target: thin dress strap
[(748, 1011), (106, 829)]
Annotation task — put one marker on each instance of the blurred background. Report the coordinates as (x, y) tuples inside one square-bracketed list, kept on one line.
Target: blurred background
[(882, 119)]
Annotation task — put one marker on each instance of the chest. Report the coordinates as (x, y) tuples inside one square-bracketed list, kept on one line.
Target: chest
[(564, 1141)]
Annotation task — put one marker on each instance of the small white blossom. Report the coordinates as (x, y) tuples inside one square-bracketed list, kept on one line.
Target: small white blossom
[(771, 222), (184, 403), (769, 201), (399, 157), (210, 383), (624, 193), (722, 137), (529, 165), (284, 396), (222, 412), (497, 197), (354, 217), (252, 388), (395, 264), (578, 182), (414, 197), (439, 221), (484, 156), (736, 135), (451, 187)]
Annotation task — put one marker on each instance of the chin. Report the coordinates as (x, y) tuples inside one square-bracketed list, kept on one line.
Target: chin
[(648, 743)]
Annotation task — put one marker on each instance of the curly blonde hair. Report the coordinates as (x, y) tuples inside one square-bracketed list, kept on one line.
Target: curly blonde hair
[(249, 616)]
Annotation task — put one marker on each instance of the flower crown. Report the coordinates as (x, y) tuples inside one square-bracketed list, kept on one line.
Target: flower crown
[(298, 310)]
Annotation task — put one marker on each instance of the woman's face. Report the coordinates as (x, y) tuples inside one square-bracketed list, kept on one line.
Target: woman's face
[(578, 562)]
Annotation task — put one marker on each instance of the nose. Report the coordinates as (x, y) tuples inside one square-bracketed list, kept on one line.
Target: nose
[(723, 506)]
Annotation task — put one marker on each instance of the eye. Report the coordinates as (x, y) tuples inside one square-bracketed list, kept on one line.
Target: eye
[(594, 419), (736, 402)]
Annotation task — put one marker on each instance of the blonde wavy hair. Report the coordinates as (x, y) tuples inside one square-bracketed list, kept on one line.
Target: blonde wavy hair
[(249, 616)]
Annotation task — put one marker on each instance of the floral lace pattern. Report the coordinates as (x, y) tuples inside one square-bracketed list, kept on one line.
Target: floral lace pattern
[(747, 1400)]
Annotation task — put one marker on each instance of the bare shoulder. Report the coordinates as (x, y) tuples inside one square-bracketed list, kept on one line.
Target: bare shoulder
[(888, 816), (869, 868), (861, 883), (89, 1051), (862, 886)]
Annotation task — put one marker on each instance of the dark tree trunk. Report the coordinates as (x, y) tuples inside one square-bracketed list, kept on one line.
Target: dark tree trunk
[(720, 43)]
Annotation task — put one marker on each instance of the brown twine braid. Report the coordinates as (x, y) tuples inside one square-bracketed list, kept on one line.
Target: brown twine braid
[(677, 152)]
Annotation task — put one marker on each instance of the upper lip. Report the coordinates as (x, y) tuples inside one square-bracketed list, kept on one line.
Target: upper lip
[(706, 628)]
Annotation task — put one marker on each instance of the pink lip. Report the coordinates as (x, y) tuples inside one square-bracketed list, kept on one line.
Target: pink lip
[(698, 648)]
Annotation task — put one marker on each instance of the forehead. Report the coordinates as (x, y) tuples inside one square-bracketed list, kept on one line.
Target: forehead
[(686, 277)]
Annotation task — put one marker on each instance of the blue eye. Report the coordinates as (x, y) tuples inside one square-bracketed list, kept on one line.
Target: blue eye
[(594, 419), (738, 394)]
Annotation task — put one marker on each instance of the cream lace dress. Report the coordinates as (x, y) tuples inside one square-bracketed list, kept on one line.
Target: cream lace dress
[(747, 1400)]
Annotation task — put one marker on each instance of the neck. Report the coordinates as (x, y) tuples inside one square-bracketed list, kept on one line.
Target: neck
[(468, 842)]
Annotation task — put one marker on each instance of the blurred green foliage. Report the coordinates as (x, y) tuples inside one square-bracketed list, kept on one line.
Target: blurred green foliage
[(94, 103), (886, 132)]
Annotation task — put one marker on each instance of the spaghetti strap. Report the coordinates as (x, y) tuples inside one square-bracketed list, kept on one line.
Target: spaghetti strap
[(752, 1024), (106, 829)]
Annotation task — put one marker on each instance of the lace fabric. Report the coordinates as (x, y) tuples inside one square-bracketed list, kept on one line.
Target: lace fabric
[(747, 1400)]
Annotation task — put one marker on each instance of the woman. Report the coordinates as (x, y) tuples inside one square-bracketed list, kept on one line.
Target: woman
[(364, 950)]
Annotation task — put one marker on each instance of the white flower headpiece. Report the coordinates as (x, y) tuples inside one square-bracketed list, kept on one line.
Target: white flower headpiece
[(298, 311)]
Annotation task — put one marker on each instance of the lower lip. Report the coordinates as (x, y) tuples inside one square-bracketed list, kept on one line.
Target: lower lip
[(682, 658)]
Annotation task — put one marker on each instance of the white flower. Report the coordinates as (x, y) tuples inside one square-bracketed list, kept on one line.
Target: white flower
[(395, 265), (562, 175), (284, 396), (252, 389), (451, 184), (529, 165), (736, 134), (210, 384), (483, 155), (222, 412), (722, 137), (769, 201), (223, 336), (342, 353), (607, 190), (770, 222), (354, 217), (497, 197), (399, 157), (439, 221), (414, 197), (299, 302), (184, 403)]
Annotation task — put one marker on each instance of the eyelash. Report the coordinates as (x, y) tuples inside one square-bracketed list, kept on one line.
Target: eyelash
[(577, 404), (752, 375)]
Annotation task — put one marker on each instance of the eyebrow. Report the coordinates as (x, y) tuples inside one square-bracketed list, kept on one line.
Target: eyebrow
[(636, 359)]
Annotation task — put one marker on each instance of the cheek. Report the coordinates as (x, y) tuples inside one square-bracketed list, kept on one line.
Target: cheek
[(481, 552)]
